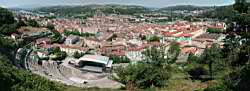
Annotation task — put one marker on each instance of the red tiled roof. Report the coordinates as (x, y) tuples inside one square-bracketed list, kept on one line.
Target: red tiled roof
[(72, 47), (184, 35), (118, 53)]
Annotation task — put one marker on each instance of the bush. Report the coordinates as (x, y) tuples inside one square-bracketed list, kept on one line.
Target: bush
[(32, 23), (51, 27), (77, 33), (153, 38), (60, 55), (214, 30), (198, 72), (117, 59), (77, 55)]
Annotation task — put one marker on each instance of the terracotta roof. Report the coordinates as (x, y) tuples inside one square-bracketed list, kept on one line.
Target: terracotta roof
[(72, 47), (184, 35), (118, 53)]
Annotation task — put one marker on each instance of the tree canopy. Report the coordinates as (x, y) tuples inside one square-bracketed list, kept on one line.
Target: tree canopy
[(6, 17), (136, 76)]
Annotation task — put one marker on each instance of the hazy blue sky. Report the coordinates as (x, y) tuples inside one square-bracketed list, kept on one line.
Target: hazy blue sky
[(149, 3)]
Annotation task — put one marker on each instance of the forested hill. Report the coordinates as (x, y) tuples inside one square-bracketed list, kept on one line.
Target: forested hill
[(222, 12), (89, 9), (185, 7), (122, 9), (228, 12)]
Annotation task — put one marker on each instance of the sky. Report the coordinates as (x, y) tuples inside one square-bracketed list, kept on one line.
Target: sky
[(147, 3)]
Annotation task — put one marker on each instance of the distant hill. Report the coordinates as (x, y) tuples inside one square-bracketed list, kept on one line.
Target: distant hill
[(185, 7), (89, 9), (222, 12)]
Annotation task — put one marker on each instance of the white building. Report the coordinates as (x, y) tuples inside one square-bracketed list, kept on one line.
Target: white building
[(70, 50), (134, 55), (71, 40)]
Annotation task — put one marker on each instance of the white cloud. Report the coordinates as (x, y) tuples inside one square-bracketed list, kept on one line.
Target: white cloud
[(3, 6)]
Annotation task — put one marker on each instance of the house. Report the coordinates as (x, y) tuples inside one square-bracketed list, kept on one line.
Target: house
[(43, 54), (210, 37), (70, 50), (31, 32), (43, 41), (134, 55), (92, 30), (184, 37), (135, 42), (92, 43), (108, 49), (104, 35)]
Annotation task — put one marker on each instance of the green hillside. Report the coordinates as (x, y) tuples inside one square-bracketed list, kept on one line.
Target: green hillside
[(91, 9)]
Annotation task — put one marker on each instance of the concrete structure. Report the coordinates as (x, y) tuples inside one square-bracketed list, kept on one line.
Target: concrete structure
[(95, 63), (71, 40)]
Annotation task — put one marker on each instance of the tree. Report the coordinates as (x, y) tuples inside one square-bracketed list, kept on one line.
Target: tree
[(7, 21), (117, 59), (212, 57), (237, 80), (243, 81), (56, 37), (156, 56), (60, 55), (51, 27), (114, 36), (20, 23), (56, 50), (137, 76), (173, 51), (32, 23), (8, 29), (77, 54), (13, 79), (236, 52), (192, 58), (241, 6), (153, 38), (77, 33), (198, 72), (6, 17), (220, 86), (214, 30)]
